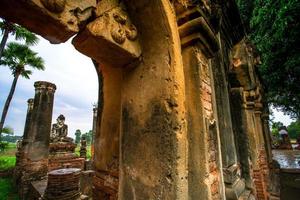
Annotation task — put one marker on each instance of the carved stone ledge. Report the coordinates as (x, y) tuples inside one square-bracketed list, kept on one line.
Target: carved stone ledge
[(55, 20), (111, 39), (234, 185), (193, 28)]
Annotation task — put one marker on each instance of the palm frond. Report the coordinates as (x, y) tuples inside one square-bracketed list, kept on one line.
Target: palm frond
[(19, 56), (23, 34), (26, 74)]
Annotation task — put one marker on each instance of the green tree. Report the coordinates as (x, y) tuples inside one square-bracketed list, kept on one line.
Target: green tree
[(19, 32), (246, 7), (275, 127), (294, 129), (77, 136), (18, 57), (8, 131), (88, 137), (275, 31)]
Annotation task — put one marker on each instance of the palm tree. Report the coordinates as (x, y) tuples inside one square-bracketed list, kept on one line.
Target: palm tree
[(19, 32), (17, 57)]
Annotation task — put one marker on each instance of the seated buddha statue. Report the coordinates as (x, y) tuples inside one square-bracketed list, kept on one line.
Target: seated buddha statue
[(59, 131)]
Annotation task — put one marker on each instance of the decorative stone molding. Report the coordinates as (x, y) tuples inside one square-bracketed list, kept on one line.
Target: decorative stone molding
[(194, 29), (122, 29), (43, 85), (111, 33)]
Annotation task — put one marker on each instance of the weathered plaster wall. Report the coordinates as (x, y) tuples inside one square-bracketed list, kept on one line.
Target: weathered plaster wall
[(153, 140)]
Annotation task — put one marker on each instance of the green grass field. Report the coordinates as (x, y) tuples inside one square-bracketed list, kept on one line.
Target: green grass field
[(7, 161), (7, 157)]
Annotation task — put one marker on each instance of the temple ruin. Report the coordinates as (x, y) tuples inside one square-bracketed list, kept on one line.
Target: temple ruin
[(181, 111)]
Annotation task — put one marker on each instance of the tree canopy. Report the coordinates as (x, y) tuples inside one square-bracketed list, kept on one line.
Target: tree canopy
[(7, 28), (77, 136), (19, 56), (274, 27)]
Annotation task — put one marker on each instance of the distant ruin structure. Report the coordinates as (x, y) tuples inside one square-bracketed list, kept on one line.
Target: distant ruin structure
[(83, 149), (181, 111), (32, 162)]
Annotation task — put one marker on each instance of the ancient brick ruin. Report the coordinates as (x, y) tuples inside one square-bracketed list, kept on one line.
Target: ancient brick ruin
[(47, 166), (181, 111), (32, 157)]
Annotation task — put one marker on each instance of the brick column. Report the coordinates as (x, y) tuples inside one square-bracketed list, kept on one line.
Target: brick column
[(28, 118), (34, 163), (20, 150)]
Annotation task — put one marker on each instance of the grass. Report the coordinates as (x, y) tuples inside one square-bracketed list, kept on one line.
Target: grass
[(7, 162), (88, 153), (7, 191), (7, 157)]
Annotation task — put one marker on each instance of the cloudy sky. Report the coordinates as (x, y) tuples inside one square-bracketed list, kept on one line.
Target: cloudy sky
[(77, 88)]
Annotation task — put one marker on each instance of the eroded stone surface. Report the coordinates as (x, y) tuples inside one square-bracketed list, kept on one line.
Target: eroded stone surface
[(55, 20), (63, 184)]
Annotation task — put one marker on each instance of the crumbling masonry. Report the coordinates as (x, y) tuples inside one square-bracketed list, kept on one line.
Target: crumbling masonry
[(181, 112)]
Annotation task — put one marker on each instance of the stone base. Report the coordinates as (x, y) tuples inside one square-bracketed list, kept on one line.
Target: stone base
[(105, 186), (28, 172), (63, 184), (235, 190), (86, 180), (66, 163), (62, 147), (62, 156), (247, 195)]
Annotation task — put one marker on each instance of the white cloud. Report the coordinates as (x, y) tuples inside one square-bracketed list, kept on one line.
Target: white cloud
[(281, 117)]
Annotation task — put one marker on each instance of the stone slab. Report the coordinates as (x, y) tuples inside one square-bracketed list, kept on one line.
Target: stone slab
[(289, 160)]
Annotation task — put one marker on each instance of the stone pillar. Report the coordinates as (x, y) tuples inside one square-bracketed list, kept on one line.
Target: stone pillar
[(34, 162), (204, 163), (28, 119), (241, 131), (267, 134), (20, 151), (95, 109), (83, 148)]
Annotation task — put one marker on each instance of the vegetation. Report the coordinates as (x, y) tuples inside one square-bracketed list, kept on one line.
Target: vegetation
[(19, 32), (7, 157), (7, 162), (88, 136), (11, 138), (7, 191), (293, 129), (18, 57), (7, 131), (77, 136), (88, 152), (274, 27)]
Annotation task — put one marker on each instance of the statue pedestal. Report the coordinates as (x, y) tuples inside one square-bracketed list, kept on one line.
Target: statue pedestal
[(62, 155)]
